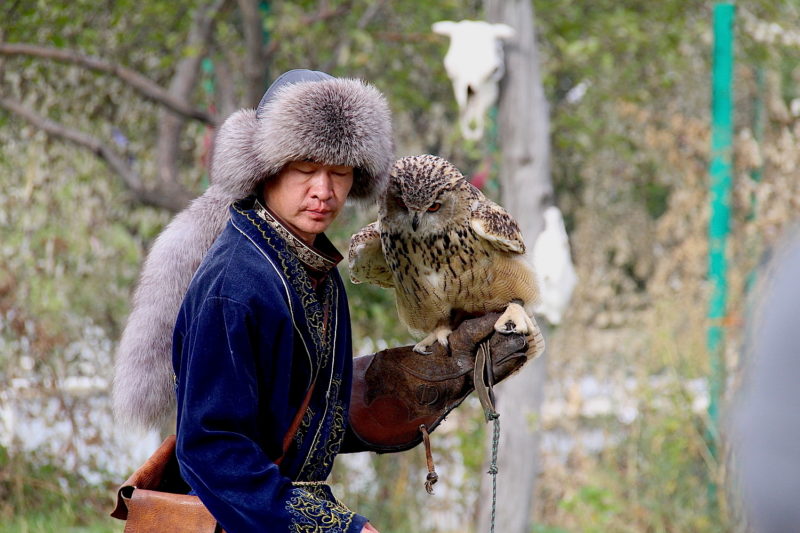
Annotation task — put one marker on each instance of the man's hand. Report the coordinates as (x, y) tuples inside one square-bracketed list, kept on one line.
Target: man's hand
[(369, 529), (397, 390)]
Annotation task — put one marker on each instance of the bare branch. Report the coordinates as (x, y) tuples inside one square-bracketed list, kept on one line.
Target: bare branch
[(324, 13), (148, 88), (173, 199)]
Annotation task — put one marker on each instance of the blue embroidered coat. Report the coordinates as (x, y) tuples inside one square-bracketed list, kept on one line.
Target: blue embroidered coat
[(252, 336)]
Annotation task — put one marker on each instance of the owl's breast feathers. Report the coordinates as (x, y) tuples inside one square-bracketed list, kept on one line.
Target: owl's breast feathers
[(456, 270)]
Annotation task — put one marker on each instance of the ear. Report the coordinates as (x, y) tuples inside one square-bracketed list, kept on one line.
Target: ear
[(503, 31), (444, 27)]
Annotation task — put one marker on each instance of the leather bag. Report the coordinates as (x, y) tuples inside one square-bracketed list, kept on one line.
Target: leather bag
[(154, 498)]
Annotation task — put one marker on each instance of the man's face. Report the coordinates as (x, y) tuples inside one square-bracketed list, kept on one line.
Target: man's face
[(307, 196)]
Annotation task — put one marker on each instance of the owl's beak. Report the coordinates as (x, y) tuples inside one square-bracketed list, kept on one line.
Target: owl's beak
[(415, 222)]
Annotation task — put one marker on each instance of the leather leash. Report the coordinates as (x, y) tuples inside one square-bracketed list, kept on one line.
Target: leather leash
[(483, 379), (298, 418), (433, 477)]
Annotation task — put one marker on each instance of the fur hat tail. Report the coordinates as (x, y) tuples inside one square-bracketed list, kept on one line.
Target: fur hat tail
[(143, 392)]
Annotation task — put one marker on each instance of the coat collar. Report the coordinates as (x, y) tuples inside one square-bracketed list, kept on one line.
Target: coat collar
[(322, 257)]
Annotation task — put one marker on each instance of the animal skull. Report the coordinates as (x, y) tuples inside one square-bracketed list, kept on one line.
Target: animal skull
[(474, 63)]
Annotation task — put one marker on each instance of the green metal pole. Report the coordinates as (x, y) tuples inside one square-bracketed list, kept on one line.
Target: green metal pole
[(721, 181)]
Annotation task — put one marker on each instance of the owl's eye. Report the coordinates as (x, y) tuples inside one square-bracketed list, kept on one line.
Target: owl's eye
[(434, 207), (400, 203)]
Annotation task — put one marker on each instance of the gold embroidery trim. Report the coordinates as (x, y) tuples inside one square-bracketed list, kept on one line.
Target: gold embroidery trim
[(312, 514), (303, 251)]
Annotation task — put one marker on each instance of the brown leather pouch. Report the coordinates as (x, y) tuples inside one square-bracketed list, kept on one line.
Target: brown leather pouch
[(154, 498)]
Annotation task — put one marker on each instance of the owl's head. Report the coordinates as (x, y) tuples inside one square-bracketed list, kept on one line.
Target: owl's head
[(423, 194)]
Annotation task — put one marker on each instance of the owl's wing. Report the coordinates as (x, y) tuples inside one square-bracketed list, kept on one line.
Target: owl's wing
[(493, 223), (366, 260)]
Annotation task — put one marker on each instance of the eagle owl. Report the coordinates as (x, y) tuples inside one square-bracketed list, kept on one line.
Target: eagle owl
[(448, 251)]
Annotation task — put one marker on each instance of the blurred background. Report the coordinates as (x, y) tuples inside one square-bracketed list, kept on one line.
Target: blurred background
[(107, 117)]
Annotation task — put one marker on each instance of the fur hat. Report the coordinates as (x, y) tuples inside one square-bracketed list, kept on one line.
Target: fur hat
[(303, 115)]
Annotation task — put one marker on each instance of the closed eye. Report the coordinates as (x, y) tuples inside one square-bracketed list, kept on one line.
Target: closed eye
[(400, 203), (304, 167), (434, 207)]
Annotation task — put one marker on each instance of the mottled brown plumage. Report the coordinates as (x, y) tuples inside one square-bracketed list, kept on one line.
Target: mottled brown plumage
[(447, 250)]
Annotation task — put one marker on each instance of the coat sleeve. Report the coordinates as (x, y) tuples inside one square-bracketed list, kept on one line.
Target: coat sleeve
[(219, 424)]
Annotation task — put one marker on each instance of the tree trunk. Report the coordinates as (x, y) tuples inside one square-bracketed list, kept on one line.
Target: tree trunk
[(255, 57), (524, 130), (170, 124)]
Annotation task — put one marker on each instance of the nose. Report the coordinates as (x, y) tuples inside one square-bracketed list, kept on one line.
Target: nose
[(322, 185)]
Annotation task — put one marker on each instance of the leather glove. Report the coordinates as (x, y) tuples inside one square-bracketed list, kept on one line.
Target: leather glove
[(397, 390)]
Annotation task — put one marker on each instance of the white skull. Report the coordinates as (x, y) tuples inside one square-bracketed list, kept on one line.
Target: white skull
[(474, 63)]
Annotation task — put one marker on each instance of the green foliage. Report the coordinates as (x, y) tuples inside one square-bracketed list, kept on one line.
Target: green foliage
[(36, 496), (61, 519), (653, 480), (595, 504)]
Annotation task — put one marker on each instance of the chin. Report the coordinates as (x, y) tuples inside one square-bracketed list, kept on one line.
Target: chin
[(315, 228)]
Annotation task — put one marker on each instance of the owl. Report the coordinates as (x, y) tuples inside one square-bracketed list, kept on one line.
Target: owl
[(447, 250)]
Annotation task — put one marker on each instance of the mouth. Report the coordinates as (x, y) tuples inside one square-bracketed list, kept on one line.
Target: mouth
[(319, 213)]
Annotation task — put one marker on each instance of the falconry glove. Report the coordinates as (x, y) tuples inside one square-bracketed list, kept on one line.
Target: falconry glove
[(398, 390)]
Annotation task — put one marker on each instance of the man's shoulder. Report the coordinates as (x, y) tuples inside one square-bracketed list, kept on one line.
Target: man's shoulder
[(236, 269)]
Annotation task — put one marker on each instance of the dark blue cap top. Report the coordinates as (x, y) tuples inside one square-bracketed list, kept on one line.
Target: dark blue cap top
[(290, 77)]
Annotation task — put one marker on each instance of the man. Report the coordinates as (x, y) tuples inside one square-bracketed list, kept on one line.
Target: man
[(261, 350)]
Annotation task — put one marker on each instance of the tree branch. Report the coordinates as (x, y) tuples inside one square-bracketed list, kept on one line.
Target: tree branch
[(324, 13), (173, 199), (148, 88)]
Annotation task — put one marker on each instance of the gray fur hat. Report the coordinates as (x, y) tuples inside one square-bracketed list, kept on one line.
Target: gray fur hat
[(304, 115)]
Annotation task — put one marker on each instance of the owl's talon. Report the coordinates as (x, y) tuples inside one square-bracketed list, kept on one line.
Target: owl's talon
[(513, 320), (442, 335), (421, 348), (439, 335)]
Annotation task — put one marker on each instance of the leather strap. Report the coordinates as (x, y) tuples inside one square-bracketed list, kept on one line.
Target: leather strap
[(483, 378), (298, 418)]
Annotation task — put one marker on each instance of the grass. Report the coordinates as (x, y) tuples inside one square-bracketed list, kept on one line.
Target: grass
[(38, 497), (61, 520)]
